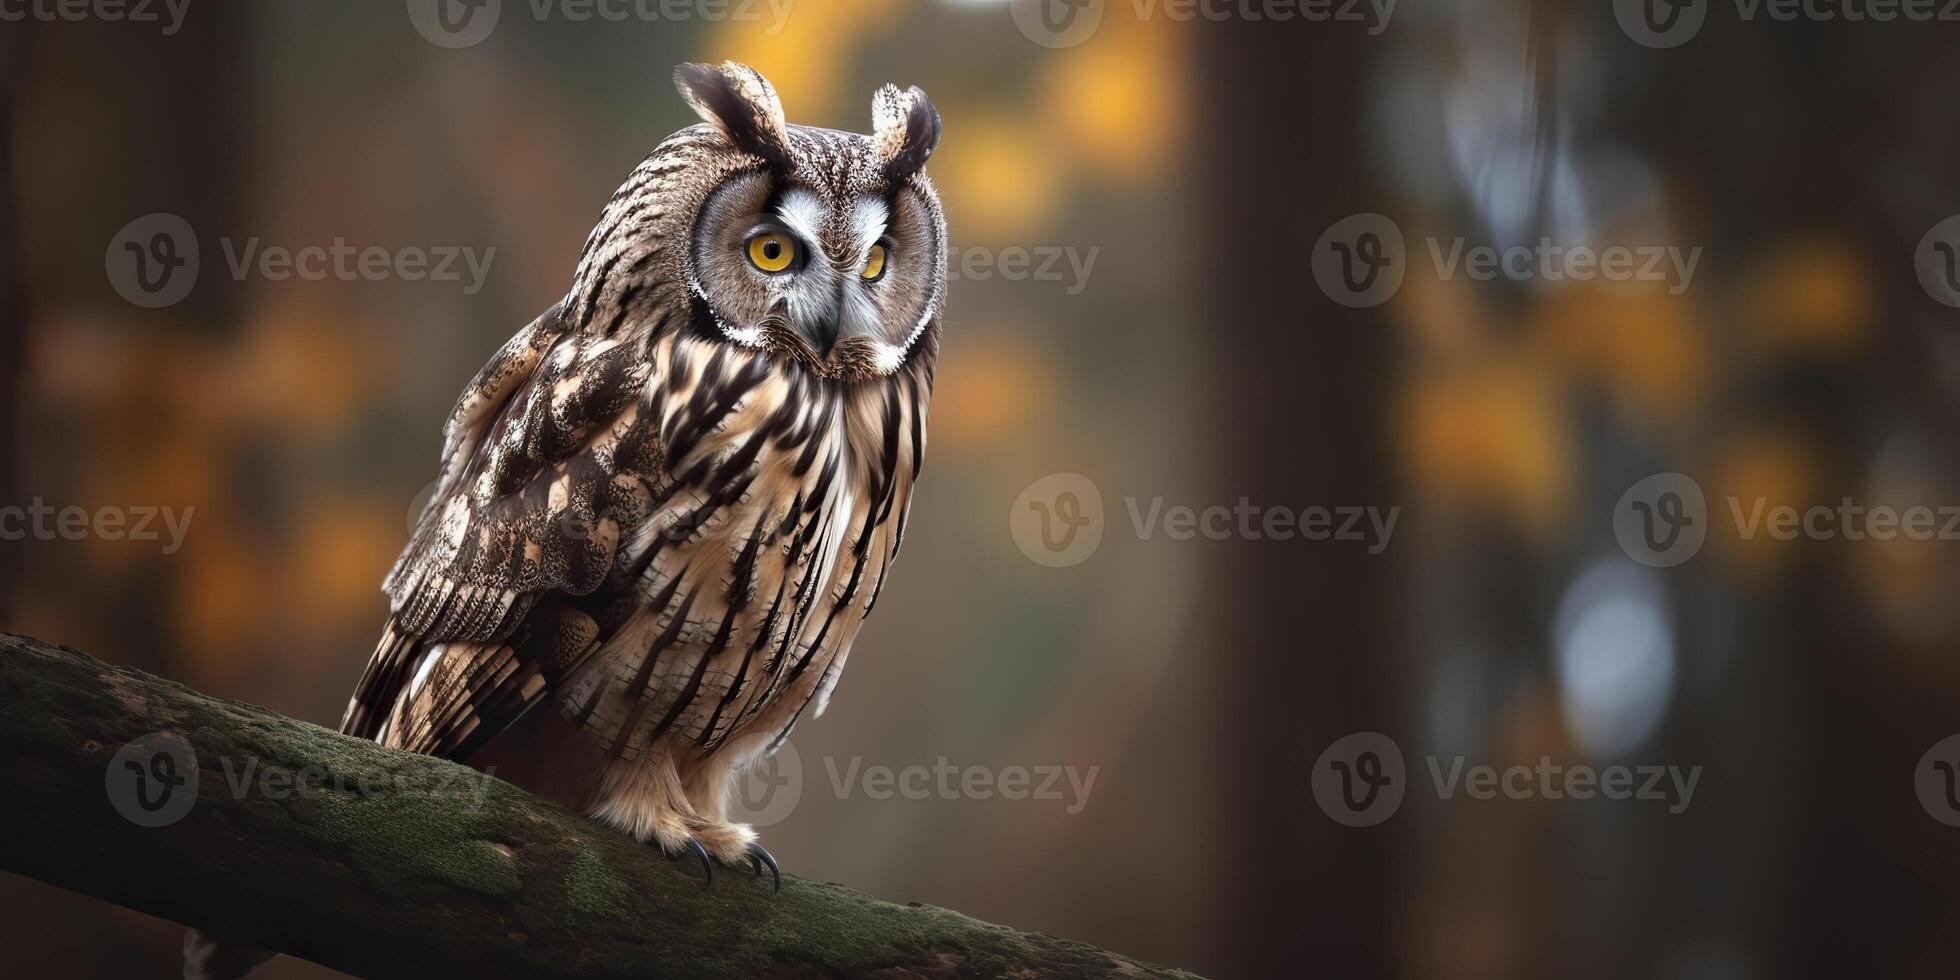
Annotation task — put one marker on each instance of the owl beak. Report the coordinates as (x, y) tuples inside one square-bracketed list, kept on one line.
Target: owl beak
[(815, 335), (823, 335), (827, 325)]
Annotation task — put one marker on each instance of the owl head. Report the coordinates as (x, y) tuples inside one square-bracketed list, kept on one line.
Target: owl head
[(817, 245)]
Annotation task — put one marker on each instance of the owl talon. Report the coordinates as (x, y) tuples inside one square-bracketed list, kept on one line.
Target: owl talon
[(707, 866), (759, 856)]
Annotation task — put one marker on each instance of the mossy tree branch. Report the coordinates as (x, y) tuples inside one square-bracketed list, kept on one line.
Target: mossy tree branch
[(387, 864)]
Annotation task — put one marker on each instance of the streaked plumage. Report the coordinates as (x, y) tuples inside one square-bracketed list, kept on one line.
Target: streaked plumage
[(669, 502)]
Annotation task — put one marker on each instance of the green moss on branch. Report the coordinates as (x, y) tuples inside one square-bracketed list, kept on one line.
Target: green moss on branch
[(386, 864)]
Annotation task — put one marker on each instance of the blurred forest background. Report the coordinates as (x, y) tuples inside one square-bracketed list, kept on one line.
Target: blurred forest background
[(1197, 363)]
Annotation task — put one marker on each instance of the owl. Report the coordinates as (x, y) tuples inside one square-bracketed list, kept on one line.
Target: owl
[(668, 504)]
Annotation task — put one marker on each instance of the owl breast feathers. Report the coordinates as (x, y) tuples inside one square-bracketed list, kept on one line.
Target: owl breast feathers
[(667, 505)]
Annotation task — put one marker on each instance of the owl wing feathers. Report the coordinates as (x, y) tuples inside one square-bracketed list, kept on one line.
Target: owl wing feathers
[(583, 476), (494, 598), (399, 651)]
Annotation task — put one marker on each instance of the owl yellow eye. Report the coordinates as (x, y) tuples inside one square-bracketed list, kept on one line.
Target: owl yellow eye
[(874, 264), (772, 251)]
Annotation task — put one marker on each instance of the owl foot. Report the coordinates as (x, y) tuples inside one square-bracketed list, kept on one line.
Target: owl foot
[(694, 846), (759, 858), (714, 842)]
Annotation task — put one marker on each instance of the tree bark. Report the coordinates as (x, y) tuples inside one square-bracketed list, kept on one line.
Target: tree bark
[(387, 864), (1307, 636), (13, 304)]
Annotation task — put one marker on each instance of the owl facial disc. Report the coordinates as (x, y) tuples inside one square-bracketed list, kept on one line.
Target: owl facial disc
[(826, 247)]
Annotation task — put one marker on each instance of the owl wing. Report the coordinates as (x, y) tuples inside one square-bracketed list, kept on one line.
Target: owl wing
[(504, 588)]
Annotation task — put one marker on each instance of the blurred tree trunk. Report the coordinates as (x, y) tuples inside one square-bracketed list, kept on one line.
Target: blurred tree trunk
[(1307, 651), (1873, 894), (170, 143), (12, 312)]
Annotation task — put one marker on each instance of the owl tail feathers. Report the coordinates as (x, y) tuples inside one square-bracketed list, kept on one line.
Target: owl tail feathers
[(206, 958)]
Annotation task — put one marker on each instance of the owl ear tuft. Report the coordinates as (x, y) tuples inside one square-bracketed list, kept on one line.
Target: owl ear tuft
[(904, 130), (741, 103)]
